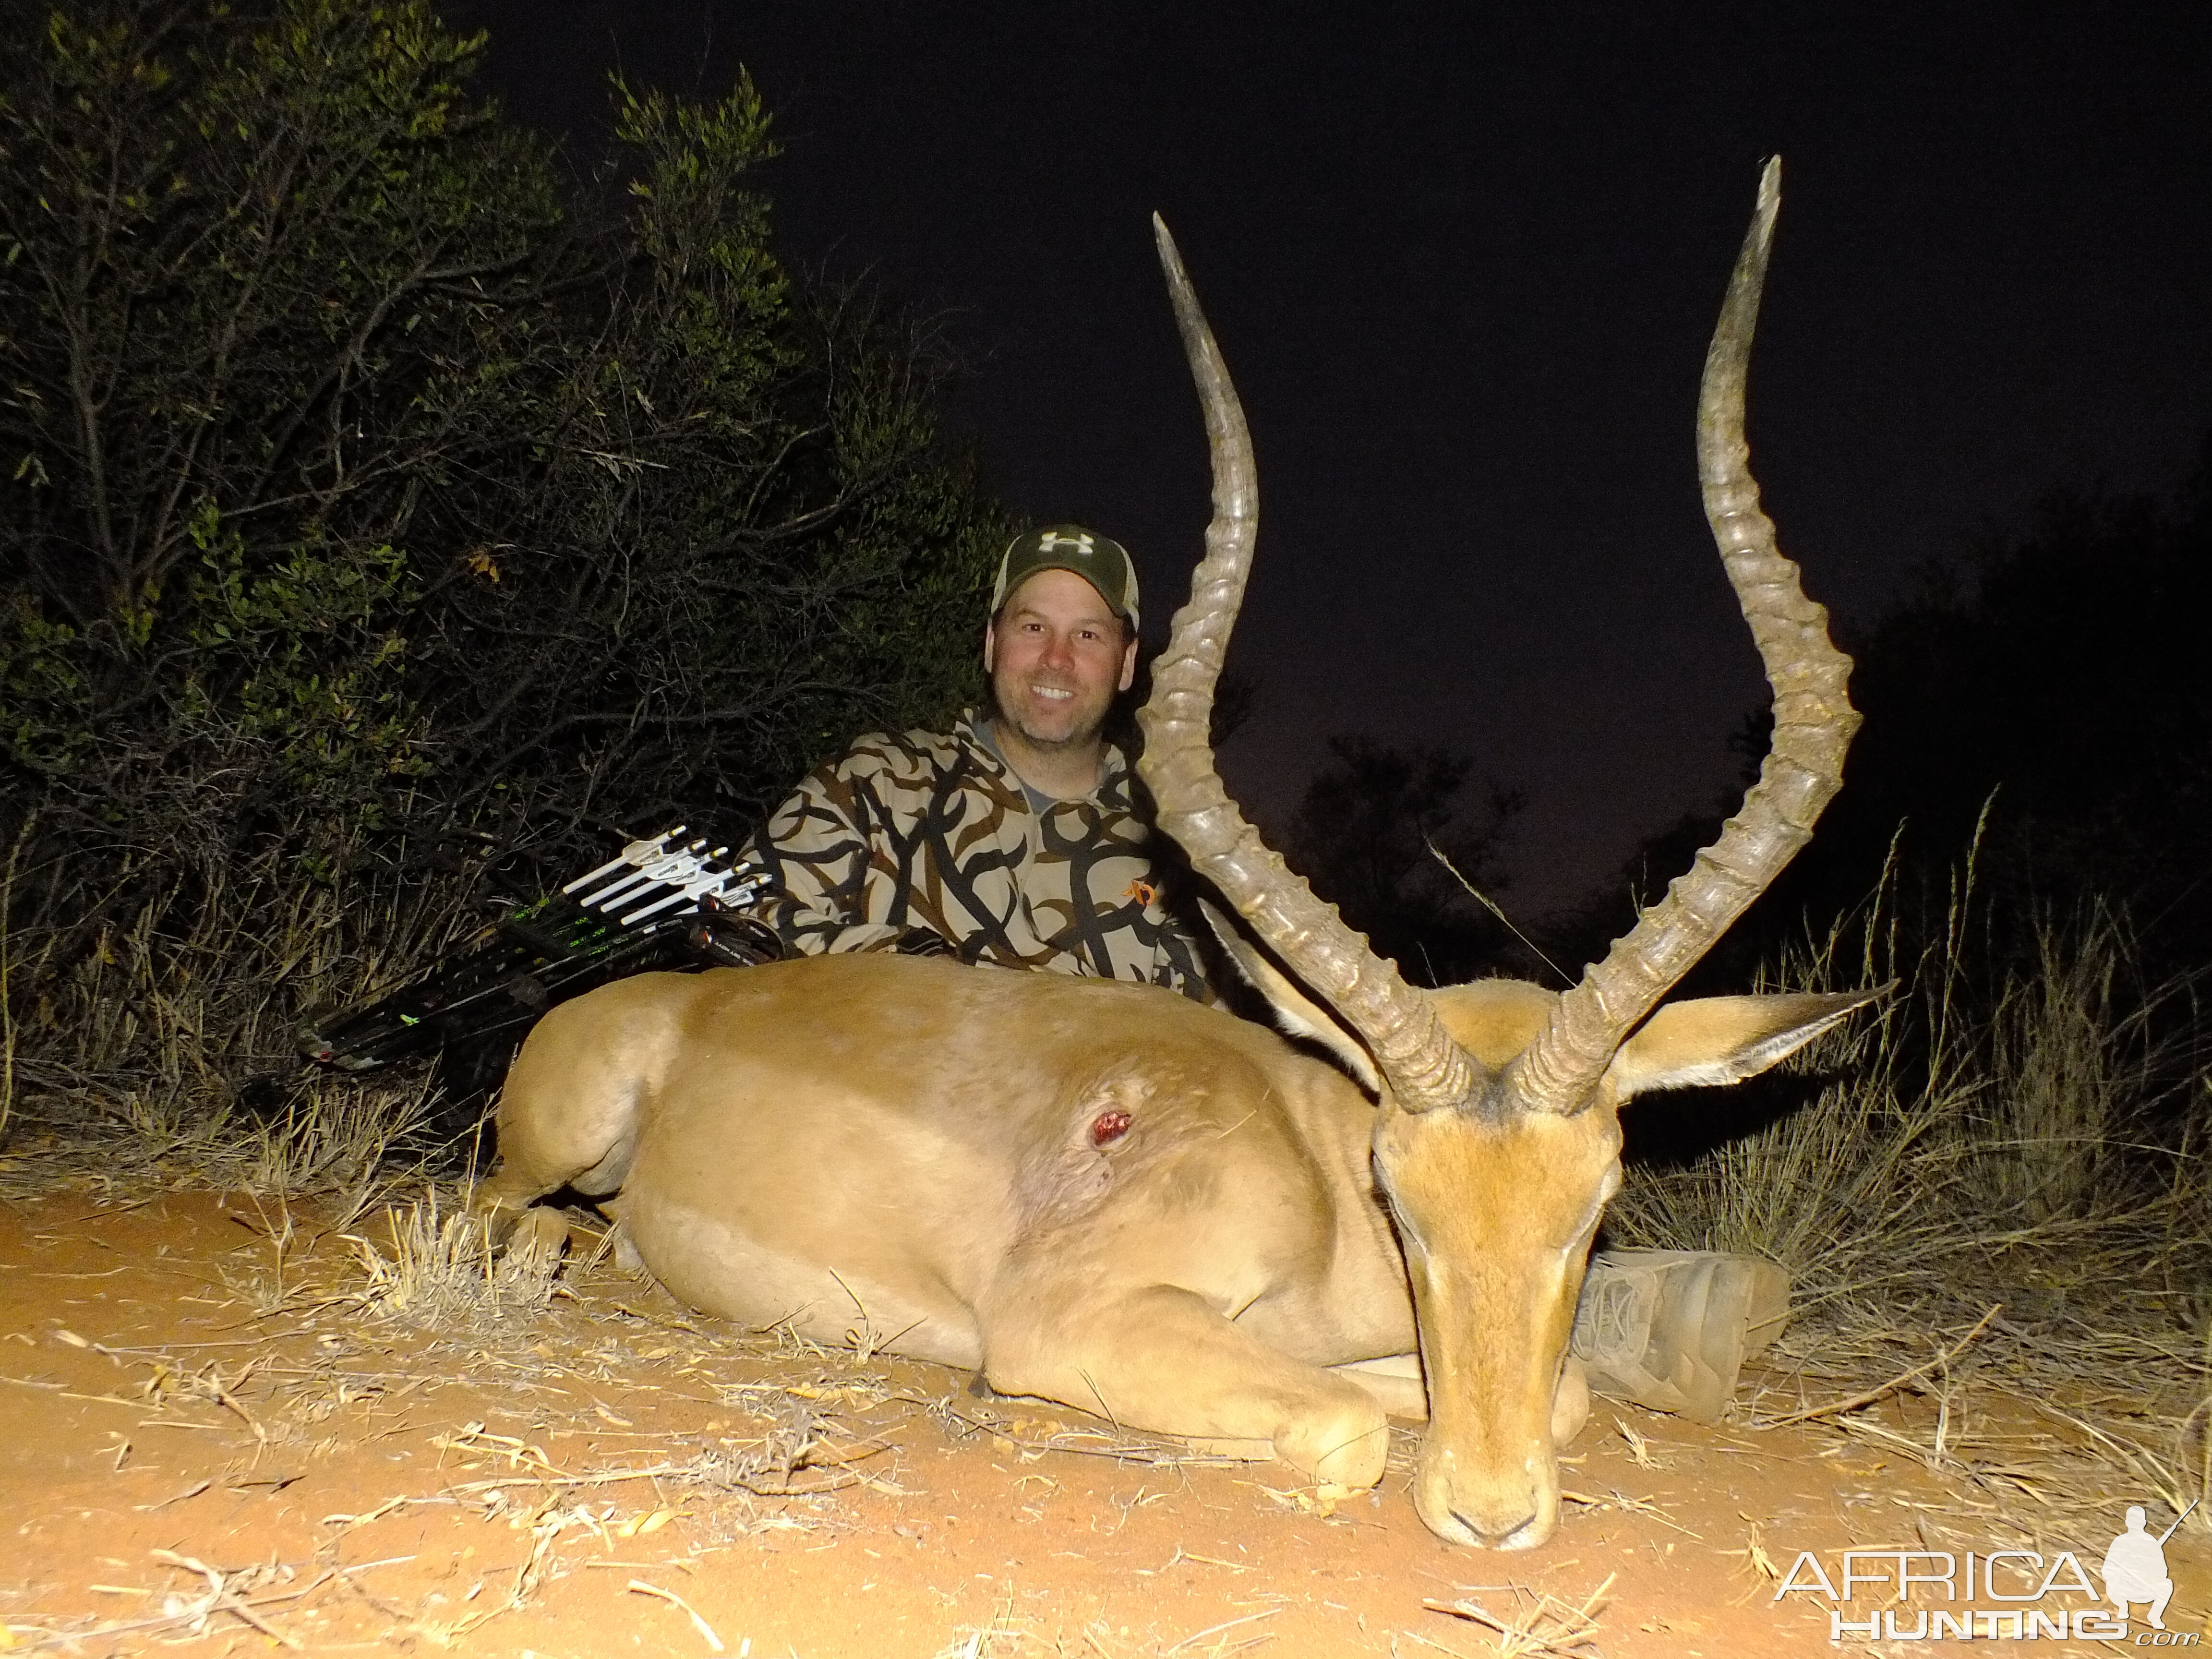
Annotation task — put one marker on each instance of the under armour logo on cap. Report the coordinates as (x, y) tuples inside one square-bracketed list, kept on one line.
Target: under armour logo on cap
[(1099, 560)]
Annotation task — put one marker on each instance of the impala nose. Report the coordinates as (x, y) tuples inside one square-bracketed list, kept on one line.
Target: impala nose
[(1500, 1539)]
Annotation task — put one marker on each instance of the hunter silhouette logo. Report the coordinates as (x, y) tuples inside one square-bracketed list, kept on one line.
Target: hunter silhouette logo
[(1924, 1594), (2135, 1567)]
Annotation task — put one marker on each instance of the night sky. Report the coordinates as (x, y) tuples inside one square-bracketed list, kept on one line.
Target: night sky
[(1463, 260)]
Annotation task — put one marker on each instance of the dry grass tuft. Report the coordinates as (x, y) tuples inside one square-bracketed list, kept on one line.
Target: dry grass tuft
[(441, 1273), (350, 1143)]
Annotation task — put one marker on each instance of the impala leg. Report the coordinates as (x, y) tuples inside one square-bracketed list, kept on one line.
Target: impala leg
[(1160, 1359), (1397, 1384), (569, 1116), (518, 1223)]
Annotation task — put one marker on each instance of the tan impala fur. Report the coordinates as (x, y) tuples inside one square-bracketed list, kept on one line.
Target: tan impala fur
[(934, 1154)]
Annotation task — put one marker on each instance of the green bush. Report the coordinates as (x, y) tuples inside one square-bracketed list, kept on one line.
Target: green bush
[(375, 512)]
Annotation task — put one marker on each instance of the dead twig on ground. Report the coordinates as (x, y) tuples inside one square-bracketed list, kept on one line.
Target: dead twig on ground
[(1552, 1629), (706, 1630), (1867, 1396), (219, 1598), (189, 1616)]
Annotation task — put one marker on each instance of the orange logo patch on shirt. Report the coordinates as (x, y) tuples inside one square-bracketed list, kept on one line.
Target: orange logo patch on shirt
[(1143, 891)]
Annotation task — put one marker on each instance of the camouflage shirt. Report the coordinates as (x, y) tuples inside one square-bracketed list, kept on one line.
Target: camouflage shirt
[(933, 832)]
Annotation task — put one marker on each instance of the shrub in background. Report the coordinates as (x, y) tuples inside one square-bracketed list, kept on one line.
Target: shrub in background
[(372, 515)]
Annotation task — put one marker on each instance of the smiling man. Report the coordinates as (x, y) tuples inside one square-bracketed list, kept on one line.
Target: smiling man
[(1016, 838), (1058, 650)]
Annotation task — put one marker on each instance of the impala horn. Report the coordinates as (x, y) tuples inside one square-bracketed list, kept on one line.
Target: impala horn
[(1813, 721), (1424, 1066)]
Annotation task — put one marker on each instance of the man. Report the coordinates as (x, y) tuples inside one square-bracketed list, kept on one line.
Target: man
[(1016, 837)]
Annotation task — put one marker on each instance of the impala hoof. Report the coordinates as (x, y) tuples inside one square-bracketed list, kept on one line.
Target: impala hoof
[(1349, 1450), (539, 1238)]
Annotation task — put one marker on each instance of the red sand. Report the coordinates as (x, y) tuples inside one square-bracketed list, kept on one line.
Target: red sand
[(333, 1471)]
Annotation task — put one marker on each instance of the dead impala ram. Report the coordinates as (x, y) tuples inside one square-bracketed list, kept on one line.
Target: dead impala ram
[(1108, 1195)]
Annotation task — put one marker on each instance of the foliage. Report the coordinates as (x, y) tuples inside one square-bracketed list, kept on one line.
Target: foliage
[(1367, 833), (370, 514)]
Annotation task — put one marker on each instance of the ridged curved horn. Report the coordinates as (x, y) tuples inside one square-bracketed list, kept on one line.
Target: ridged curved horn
[(1424, 1068), (1813, 721)]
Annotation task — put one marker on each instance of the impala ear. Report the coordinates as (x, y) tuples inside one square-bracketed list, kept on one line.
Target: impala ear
[(1720, 1040), (1295, 1012)]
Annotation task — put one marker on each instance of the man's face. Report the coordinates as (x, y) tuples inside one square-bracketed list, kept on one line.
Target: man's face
[(1056, 656)]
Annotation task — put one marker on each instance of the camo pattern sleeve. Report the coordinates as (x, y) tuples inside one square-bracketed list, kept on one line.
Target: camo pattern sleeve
[(928, 832)]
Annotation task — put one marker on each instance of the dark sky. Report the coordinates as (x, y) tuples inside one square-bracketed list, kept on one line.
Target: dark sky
[(1462, 259)]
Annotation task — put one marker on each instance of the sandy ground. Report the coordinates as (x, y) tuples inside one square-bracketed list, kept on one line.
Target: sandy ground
[(213, 1445)]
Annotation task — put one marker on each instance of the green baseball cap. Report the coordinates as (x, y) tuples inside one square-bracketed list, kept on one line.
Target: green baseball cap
[(1099, 560)]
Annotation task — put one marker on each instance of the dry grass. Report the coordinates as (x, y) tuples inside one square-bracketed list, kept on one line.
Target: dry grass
[(1996, 1213), (158, 1059), (770, 1464), (432, 1265), (155, 1045), (1539, 1624), (336, 1138)]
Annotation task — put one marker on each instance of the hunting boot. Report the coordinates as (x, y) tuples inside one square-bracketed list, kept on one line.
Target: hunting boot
[(1671, 1329)]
